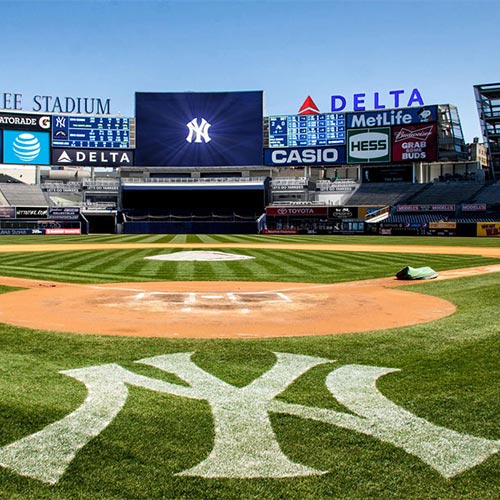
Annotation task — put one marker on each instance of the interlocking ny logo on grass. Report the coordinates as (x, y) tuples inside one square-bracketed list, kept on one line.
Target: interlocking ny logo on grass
[(245, 445)]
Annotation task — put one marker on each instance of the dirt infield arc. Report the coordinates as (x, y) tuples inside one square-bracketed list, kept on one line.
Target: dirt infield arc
[(218, 309)]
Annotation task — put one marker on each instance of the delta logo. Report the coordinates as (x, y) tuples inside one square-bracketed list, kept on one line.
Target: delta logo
[(309, 107)]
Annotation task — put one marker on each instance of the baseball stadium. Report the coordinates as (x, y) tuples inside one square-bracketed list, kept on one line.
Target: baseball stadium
[(202, 301)]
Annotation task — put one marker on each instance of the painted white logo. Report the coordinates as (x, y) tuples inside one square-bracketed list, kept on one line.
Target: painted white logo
[(198, 131), (245, 445), (64, 158), (26, 147), (60, 121)]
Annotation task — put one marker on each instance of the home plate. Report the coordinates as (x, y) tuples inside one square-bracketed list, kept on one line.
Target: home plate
[(200, 255)]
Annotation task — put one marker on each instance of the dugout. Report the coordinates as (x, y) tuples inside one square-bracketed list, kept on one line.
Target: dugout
[(193, 205)]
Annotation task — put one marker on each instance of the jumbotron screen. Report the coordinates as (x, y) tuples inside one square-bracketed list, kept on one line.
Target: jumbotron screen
[(199, 129), (325, 129)]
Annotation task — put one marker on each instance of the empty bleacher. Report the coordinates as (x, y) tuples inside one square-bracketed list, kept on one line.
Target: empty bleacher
[(17, 194), (384, 193), (488, 194), (444, 192), (436, 217)]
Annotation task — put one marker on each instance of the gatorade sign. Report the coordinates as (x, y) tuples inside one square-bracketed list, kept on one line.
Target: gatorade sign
[(370, 145)]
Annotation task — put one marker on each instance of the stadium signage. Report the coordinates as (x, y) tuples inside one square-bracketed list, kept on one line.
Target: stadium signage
[(245, 444), (307, 156), (394, 100), (343, 212), (405, 116), (7, 212), (414, 142), (473, 207), (92, 157), (369, 145), (31, 212), (426, 208), (294, 211), (18, 121), (24, 148), (64, 213), (51, 104)]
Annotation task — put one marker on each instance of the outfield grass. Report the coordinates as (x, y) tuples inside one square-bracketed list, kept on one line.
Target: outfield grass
[(230, 238), (448, 375)]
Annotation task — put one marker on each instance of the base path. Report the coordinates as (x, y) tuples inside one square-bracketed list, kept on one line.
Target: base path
[(222, 309)]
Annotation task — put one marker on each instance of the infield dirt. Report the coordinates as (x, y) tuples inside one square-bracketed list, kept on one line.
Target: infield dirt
[(226, 309)]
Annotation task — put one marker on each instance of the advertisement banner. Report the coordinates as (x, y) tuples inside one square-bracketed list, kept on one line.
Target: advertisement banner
[(280, 231), (370, 145), (72, 230), (488, 229), (93, 157), (21, 121), (414, 143), (26, 148), (7, 212), (305, 156), (297, 211), (426, 208), (391, 117), (473, 207), (199, 129), (64, 213), (343, 212), (442, 225), (20, 232), (32, 212)]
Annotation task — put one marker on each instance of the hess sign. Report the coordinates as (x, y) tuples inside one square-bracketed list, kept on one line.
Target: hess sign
[(369, 145)]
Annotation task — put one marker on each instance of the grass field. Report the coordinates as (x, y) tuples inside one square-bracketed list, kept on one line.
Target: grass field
[(448, 374)]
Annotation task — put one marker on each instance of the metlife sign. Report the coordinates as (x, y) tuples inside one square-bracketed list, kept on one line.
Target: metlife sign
[(304, 156), (92, 157), (370, 145), (391, 117)]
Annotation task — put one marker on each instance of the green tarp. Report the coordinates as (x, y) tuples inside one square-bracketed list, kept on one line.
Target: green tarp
[(416, 273)]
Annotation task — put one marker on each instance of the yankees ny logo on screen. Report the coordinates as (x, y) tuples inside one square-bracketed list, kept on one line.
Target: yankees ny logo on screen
[(245, 445), (200, 132)]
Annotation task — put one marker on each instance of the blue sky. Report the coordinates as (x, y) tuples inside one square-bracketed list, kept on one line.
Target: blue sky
[(289, 49)]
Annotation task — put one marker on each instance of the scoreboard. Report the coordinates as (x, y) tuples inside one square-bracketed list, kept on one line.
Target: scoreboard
[(100, 132), (325, 129)]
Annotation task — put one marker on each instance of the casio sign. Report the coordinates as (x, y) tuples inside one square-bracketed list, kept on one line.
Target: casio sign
[(303, 156)]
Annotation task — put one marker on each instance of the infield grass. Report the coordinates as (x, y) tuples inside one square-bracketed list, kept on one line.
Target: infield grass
[(449, 374)]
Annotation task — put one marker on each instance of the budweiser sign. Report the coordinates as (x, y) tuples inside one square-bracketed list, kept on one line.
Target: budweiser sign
[(414, 143), (421, 134)]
